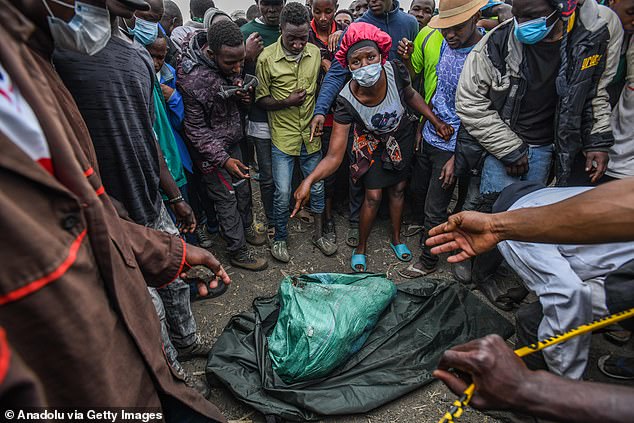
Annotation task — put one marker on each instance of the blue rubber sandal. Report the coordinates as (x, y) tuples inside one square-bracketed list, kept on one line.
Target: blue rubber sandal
[(400, 250), (358, 260)]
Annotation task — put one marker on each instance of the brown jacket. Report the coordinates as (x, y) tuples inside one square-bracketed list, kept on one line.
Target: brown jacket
[(73, 292)]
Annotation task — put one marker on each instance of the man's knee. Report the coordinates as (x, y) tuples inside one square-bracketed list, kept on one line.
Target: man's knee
[(317, 188)]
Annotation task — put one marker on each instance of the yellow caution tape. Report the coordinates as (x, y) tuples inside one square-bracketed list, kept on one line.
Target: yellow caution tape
[(458, 406)]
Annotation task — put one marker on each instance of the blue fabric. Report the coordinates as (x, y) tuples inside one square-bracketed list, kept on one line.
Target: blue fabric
[(176, 114), (495, 178), (448, 70), (396, 23), (283, 166), (491, 3)]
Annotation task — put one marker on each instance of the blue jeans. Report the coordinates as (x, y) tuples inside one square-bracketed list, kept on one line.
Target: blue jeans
[(283, 166), (495, 178)]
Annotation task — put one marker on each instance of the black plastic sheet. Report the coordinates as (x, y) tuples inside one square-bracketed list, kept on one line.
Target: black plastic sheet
[(427, 317)]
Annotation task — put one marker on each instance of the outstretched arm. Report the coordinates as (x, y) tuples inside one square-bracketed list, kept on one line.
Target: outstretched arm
[(327, 166), (603, 214)]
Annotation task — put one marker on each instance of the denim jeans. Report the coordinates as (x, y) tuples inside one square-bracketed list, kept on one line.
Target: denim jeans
[(172, 303), (263, 153), (495, 178), (283, 166)]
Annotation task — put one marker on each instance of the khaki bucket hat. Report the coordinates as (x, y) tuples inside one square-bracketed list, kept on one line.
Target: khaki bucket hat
[(455, 12)]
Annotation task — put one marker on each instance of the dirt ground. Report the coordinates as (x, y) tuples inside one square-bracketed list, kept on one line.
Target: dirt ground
[(426, 404)]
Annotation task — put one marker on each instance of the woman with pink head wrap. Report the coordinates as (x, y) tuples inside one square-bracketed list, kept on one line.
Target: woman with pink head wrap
[(374, 105)]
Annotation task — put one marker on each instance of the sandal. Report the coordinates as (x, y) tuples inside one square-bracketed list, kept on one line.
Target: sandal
[(401, 252), (358, 260), (305, 216), (412, 230), (413, 272), (353, 237)]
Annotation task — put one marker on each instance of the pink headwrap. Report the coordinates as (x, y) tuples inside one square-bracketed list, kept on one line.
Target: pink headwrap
[(359, 31)]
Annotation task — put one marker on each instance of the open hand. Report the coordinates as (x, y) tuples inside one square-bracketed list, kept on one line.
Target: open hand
[(471, 232)]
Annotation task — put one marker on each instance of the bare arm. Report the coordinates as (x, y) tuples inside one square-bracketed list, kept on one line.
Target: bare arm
[(600, 215), (504, 383), (327, 166), (185, 219), (603, 214), (416, 102)]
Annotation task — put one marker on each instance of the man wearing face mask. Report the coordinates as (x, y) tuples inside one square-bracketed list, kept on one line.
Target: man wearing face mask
[(529, 108), (74, 280), (114, 90)]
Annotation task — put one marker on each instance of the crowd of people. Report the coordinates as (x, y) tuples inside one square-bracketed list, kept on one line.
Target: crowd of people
[(130, 136)]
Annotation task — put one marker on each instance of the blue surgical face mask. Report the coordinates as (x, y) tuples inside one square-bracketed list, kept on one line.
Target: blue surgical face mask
[(87, 32), (367, 76), (144, 31), (533, 31)]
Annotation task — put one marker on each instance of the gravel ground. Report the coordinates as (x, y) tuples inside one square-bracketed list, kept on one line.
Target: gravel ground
[(424, 405)]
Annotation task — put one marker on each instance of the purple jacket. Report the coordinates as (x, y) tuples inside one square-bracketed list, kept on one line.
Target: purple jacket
[(212, 124)]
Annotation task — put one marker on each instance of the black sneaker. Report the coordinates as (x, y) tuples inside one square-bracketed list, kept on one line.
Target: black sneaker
[(195, 350), (617, 367), (244, 259), (204, 240)]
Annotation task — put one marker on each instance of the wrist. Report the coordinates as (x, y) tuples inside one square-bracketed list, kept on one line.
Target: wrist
[(531, 393), (175, 200)]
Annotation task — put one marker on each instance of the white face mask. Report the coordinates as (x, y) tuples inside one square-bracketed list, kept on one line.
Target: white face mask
[(367, 76), (87, 32)]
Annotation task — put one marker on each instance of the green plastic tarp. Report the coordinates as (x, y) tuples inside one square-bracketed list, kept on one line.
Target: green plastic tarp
[(324, 319), (427, 317)]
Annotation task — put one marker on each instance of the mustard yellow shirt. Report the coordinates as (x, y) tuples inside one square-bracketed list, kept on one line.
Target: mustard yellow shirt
[(279, 76)]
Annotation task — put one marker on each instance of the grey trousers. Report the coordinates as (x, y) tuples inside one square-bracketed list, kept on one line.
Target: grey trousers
[(172, 303)]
